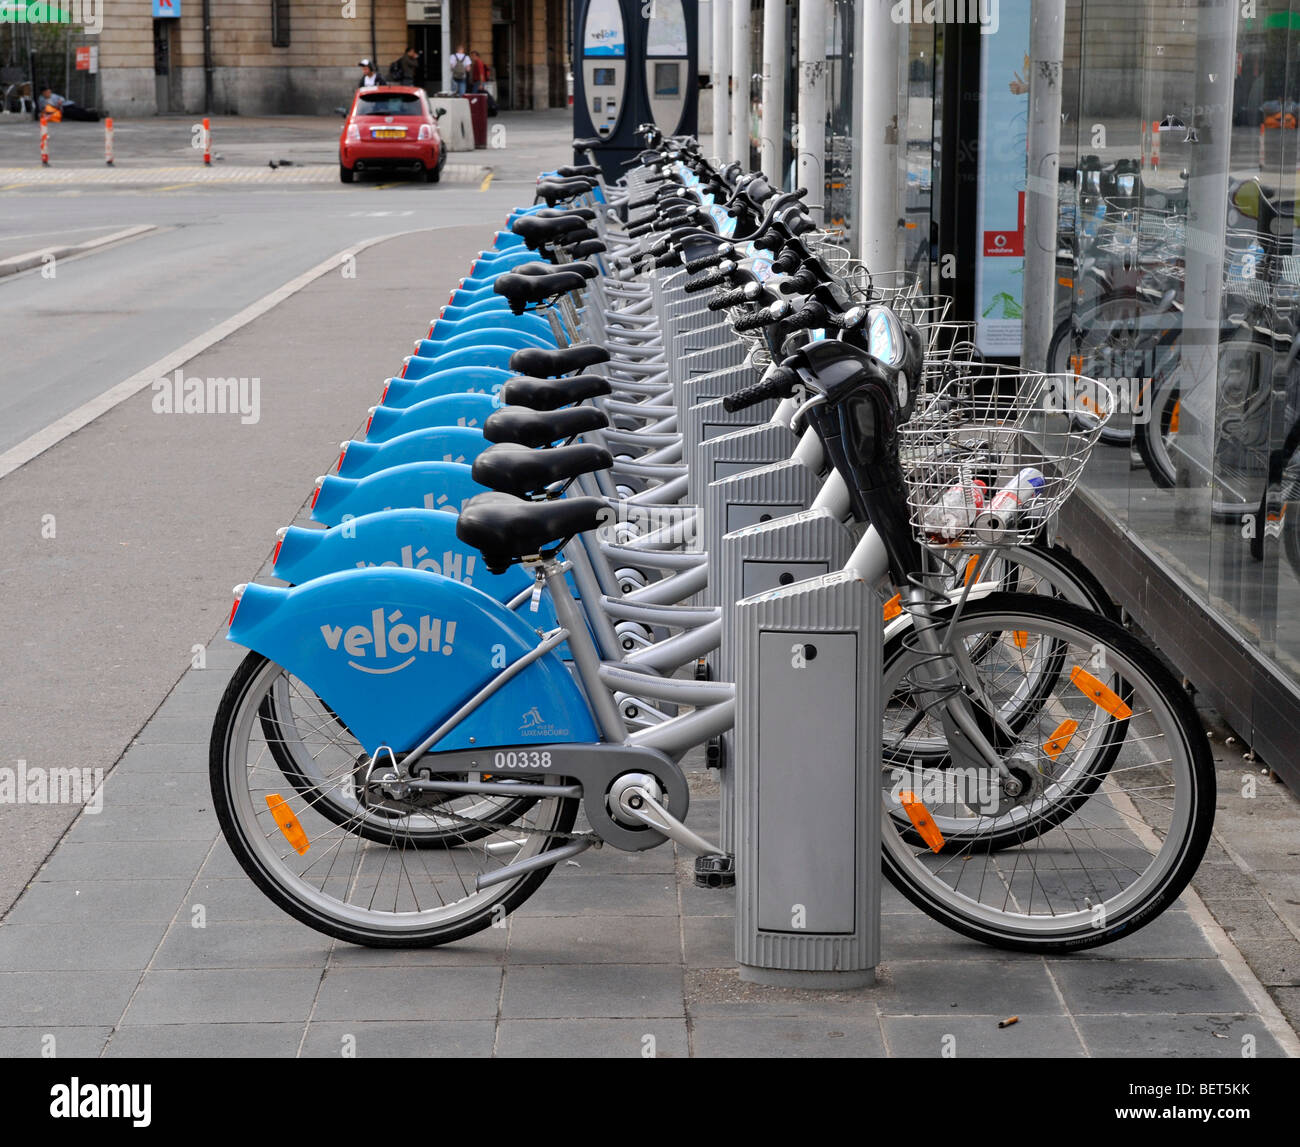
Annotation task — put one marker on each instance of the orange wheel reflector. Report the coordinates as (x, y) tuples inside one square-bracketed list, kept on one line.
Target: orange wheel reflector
[(288, 823), (1066, 282), (1060, 738), (1100, 695), (1076, 363), (1021, 638), (921, 820), (893, 607), (1173, 417), (972, 564)]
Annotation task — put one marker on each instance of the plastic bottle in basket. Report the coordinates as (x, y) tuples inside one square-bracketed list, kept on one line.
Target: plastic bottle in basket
[(998, 523), (957, 507)]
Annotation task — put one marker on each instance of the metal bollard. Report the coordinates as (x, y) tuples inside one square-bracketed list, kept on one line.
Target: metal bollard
[(808, 784), (108, 140), (207, 142), (45, 142)]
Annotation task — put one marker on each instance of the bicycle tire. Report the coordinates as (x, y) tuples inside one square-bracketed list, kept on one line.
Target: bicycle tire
[(1165, 720), (271, 859)]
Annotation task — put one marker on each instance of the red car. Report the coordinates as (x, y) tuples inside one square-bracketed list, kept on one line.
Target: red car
[(391, 128)]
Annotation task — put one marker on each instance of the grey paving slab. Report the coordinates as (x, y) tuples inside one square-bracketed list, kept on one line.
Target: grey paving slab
[(125, 860), (912, 935), (1173, 1036), (710, 941), (141, 822), (141, 759), (68, 1042), (1173, 935), (611, 860), (967, 987), (569, 893), (1275, 961), (210, 996), (90, 947), (574, 991), (595, 940), (103, 901), (192, 729), (1221, 881), (1288, 1001), (705, 901), (720, 992), (431, 1039), (242, 944), (777, 1037), (206, 1041), (966, 1037), (604, 1039), (1137, 987), (1252, 916), (234, 899), (64, 999), (408, 993)]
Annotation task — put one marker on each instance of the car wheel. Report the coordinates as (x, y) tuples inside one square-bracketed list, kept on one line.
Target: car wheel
[(346, 174), (434, 174)]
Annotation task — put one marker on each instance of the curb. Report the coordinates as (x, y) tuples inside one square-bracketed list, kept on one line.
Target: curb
[(16, 263)]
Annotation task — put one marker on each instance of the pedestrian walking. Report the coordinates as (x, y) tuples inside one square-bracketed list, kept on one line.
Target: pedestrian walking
[(460, 67)]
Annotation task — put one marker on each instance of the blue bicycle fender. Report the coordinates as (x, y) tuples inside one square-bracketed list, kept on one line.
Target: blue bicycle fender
[(444, 486), (472, 410), (416, 367), (403, 392), (402, 539), (394, 652), (477, 307), (484, 336), (434, 444), (491, 320)]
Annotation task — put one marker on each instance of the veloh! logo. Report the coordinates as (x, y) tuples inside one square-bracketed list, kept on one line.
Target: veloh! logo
[(88, 13), (77, 1100), (459, 567), (31, 784), (981, 12), (181, 395), (387, 637)]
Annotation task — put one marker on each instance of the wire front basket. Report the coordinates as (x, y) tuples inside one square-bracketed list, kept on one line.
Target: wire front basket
[(996, 452)]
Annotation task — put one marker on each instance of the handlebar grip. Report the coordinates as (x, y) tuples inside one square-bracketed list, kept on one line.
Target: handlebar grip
[(645, 201), (714, 280), (811, 314), (757, 319), (730, 299), (779, 385), (639, 230), (706, 261)]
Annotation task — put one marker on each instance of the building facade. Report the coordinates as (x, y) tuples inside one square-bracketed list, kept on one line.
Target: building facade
[(300, 57)]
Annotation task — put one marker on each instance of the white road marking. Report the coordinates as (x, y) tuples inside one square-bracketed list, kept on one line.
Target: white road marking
[(85, 414)]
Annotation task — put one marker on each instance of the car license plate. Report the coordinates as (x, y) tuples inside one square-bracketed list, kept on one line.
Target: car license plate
[(389, 133)]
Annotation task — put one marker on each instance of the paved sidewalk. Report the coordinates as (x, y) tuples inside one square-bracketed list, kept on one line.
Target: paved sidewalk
[(140, 936)]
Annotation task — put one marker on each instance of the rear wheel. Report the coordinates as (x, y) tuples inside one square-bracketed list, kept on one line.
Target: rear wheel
[(331, 877), (435, 172), (346, 174)]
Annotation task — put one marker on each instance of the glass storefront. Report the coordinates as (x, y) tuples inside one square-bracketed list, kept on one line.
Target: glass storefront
[(1179, 287)]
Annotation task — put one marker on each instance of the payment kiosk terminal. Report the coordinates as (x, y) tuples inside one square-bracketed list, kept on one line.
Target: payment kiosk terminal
[(636, 64)]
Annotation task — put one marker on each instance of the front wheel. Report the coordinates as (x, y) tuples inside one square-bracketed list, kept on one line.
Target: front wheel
[(321, 869), (1112, 794)]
